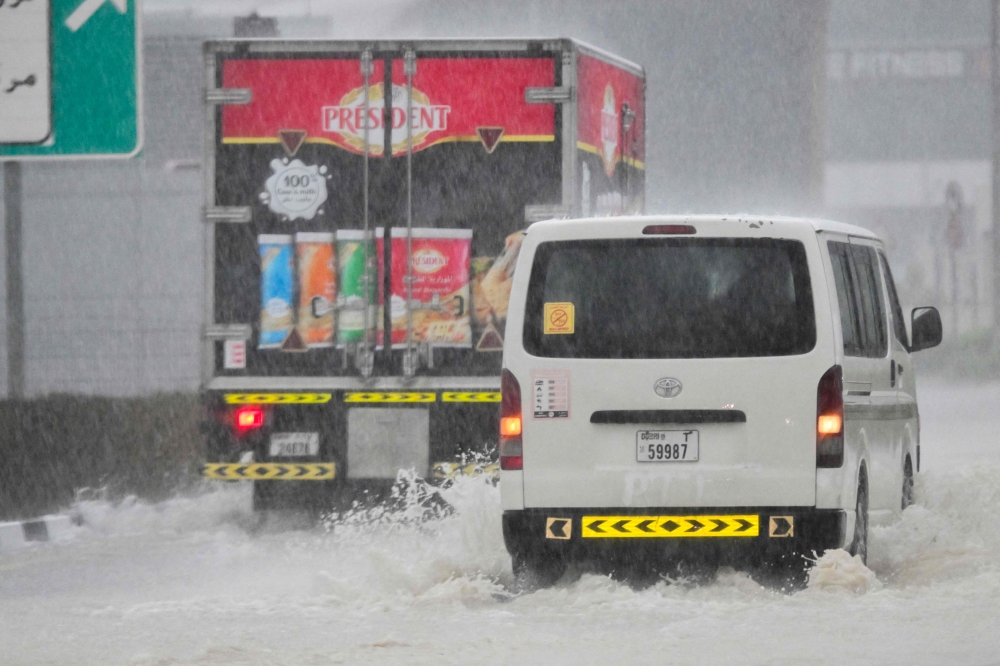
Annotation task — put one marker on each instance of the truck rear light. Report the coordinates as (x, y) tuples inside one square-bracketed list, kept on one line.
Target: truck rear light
[(830, 419), (510, 426), (510, 422), (249, 417), (668, 229)]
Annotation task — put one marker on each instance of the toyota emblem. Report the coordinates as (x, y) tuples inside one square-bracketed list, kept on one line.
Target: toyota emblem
[(668, 387)]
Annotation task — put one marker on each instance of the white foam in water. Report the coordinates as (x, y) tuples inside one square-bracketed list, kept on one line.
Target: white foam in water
[(839, 571), (195, 580), (953, 532)]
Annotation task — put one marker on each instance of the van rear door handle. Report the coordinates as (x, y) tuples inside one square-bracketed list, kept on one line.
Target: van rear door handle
[(623, 416)]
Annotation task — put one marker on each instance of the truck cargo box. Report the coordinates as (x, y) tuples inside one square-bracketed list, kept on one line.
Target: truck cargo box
[(361, 257)]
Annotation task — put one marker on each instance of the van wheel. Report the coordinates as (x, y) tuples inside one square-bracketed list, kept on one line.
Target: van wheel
[(907, 483), (859, 545)]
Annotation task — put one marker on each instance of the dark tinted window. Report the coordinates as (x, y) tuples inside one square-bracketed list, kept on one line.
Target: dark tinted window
[(673, 298), (843, 277), (898, 323), (859, 294), (872, 306)]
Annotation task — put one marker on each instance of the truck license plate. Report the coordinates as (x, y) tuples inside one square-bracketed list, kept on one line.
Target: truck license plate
[(666, 446), (294, 444)]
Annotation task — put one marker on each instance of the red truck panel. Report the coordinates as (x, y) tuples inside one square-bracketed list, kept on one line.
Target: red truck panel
[(452, 99), (602, 90)]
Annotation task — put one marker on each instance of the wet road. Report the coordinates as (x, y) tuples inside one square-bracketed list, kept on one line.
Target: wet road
[(188, 581)]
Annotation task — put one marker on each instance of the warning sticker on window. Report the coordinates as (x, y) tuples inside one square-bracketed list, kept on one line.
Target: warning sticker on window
[(550, 394), (558, 318)]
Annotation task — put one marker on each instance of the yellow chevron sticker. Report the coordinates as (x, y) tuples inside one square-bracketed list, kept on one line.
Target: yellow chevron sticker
[(447, 470), (390, 397), (277, 398), (270, 471), (618, 527), (479, 396)]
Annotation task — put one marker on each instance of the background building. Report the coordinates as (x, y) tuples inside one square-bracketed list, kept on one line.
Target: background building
[(909, 112), (864, 111)]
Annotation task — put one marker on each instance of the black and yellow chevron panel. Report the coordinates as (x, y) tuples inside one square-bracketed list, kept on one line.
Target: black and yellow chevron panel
[(631, 527), (470, 396), (278, 398), (270, 471), (392, 397), (360, 397)]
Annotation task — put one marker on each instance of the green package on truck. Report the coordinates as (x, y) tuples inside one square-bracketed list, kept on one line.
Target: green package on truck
[(351, 296)]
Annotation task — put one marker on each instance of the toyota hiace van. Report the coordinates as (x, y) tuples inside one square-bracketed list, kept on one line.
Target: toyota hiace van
[(718, 387)]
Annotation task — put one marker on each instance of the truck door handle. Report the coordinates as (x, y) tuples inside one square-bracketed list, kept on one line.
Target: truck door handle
[(892, 372)]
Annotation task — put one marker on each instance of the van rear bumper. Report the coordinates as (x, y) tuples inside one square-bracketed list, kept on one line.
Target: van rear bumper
[(718, 534)]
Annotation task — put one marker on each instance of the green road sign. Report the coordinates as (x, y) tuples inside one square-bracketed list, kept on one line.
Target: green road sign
[(70, 79)]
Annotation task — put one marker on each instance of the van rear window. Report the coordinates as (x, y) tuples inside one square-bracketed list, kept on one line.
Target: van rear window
[(670, 298)]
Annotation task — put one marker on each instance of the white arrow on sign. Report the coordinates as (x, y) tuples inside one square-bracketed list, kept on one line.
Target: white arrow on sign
[(87, 9)]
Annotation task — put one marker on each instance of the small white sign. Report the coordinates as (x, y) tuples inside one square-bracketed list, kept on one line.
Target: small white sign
[(295, 190), (25, 65), (550, 394), (234, 354), (293, 444)]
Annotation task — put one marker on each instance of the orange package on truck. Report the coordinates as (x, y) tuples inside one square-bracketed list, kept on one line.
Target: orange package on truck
[(317, 288)]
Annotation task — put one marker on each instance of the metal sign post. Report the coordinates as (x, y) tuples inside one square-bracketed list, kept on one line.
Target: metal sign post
[(995, 80), (15, 291)]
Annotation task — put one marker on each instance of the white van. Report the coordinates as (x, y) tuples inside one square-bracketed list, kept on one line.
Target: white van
[(725, 387)]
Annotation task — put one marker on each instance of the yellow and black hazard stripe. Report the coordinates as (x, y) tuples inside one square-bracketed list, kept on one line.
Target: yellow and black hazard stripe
[(470, 396), (277, 398), (395, 397), (448, 470), (270, 471), (618, 527)]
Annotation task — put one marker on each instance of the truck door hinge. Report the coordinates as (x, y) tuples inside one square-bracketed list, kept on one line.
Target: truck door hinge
[(228, 96), (557, 95), (232, 214), (539, 212), (228, 332)]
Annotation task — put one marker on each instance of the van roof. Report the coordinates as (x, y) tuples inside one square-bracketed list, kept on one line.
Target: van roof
[(817, 224)]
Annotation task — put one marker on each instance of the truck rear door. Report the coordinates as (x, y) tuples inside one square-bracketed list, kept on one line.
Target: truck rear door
[(473, 155)]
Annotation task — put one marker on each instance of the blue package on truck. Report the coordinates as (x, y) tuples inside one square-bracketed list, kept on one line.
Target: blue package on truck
[(276, 289)]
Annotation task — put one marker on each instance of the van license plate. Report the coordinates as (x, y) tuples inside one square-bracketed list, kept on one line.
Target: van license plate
[(666, 446), (294, 444)]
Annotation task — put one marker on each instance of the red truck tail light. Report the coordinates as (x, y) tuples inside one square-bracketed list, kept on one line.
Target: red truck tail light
[(830, 419), (510, 422), (249, 417)]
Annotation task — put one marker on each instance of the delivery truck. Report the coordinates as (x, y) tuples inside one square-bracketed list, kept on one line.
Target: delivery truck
[(364, 207)]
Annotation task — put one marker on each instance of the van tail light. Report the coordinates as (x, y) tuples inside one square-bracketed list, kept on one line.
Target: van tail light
[(248, 417), (830, 419), (668, 229), (510, 422)]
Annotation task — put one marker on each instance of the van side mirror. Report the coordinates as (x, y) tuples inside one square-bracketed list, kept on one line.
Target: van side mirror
[(926, 328)]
